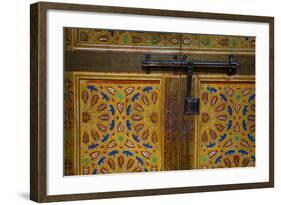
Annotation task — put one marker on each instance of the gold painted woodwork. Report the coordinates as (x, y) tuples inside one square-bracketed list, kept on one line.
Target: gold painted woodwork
[(151, 127), (142, 41), (181, 149), (238, 84), (83, 77)]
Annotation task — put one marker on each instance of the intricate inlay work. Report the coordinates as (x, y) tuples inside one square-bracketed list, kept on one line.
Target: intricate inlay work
[(134, 123), (68, 39), (146, 41), (226, 135), (96, 37), (217, 41), (172, 129), (69, 166), (119, 125), (187, 134)]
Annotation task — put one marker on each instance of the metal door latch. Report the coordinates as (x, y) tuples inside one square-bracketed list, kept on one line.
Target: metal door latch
[(181, 63), (191, 104)]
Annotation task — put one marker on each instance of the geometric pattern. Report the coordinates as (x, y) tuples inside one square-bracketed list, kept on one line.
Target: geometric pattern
[(217, 42), (119, 126), (172, 128), (187, 156), (69, 166), (112, 39), (124, 123), (226, 134)]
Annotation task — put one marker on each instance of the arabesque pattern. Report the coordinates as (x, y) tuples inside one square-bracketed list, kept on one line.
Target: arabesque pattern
[(120, 126), (226, 136), (117, 39)]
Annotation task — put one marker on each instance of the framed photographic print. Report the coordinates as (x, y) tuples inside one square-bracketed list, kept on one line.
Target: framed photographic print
[(134, 102)]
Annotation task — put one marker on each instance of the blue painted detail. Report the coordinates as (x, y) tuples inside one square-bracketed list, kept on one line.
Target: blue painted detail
[(128, 124), (229, 110), (245, 109), (223, 97), (253, 158), (113, 153), (211, 145), (92, 146), (244, 124), (222, 137), (136, 138), (104, 96), (243, 152), (251, 137), (147, 145), (135, 97), (139, 160), (111, 125), (95, 171), (218, 160), (91, 87), (101, 161), (252, 97), (128, 153), (105, 137), (147, 89), (230, 152), (128, 110), (229, 125), (212, 90), (111, 109)]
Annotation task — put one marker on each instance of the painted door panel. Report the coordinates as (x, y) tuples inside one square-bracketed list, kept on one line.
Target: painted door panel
[(118, 119)]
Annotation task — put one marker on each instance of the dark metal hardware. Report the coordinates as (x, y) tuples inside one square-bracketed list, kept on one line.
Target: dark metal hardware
[(181, 63), (191, 104)]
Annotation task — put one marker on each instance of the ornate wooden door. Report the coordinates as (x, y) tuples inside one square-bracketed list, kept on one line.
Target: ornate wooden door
[(119, 119)]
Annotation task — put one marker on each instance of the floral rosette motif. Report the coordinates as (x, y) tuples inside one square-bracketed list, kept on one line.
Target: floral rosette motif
[(119, 126), (227, 125)]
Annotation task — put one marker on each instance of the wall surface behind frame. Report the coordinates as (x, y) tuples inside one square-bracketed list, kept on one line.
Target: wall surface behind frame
[(14, 108)]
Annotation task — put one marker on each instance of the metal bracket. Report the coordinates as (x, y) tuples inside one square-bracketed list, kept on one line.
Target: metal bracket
[(181, 63)]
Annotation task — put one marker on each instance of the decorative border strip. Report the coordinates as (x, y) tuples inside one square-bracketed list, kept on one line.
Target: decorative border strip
[(101, 39)]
